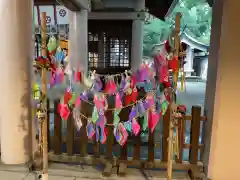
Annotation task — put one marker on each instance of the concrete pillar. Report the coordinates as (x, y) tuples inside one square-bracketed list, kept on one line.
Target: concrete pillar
[(16, 58), (188, 67), (78, 39), (221, 135), (137, 38)]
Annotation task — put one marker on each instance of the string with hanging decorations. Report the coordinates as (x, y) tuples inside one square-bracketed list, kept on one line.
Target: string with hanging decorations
[(151, 82)]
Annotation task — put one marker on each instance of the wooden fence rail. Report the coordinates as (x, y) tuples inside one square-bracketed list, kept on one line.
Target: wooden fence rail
[(73, 146)]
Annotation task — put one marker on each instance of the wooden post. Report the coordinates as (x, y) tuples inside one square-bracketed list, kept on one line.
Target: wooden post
[(175, 80), (44, 90), (176, 47)]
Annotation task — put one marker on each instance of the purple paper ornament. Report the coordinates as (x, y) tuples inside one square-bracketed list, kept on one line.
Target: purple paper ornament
[(84, 96), (140, 108), (145, 105), (117, 134), (133, 113), (90, 130), (123, 83)]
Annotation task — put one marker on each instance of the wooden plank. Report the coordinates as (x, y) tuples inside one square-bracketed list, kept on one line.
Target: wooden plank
[(195, 173), (194, 134), (48, 125), (181, 136), (57, 129), (166, 121), (189, 118), (123, 115), (137, 143), (110, 137), (86, 110), (137, 139), (89, 160), (151, 146), (96, 147), (70, 135)]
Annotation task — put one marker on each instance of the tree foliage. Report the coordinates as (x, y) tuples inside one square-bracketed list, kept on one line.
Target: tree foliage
[(196, 21)]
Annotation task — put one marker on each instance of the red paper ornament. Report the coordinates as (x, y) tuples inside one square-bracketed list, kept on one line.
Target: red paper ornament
[(134, 95), (167, 46), (67, 97), (128, 99), (173, 64)]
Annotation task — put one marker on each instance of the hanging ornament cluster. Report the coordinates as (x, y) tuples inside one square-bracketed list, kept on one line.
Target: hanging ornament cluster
[(151, 79)]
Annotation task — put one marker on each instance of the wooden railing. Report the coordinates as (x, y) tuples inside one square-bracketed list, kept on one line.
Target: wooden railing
[(73, 146)]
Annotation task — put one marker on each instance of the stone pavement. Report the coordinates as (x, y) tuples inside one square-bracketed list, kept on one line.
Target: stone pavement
[(77, 172)]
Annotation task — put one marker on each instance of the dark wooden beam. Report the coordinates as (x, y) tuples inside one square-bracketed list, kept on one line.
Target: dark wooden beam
[(70, 4), (45, 2), (158, 8)]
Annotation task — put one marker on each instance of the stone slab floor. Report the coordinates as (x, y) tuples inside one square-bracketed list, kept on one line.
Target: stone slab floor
[(77, 172)]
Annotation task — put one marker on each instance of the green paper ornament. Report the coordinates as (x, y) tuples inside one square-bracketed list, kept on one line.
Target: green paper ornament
[(52, 44), (116, 118), (73, 99), (164, 107), (95, 115), (145, 121)]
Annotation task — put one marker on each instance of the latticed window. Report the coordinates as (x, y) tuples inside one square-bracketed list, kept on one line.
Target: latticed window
[(109, 46)]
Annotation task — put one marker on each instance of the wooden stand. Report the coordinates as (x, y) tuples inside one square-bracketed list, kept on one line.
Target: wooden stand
[(172, 104), (44, 122)]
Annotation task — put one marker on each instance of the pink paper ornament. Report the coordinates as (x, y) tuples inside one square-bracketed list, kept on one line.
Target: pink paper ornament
[(64, 111), (135, 127)]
